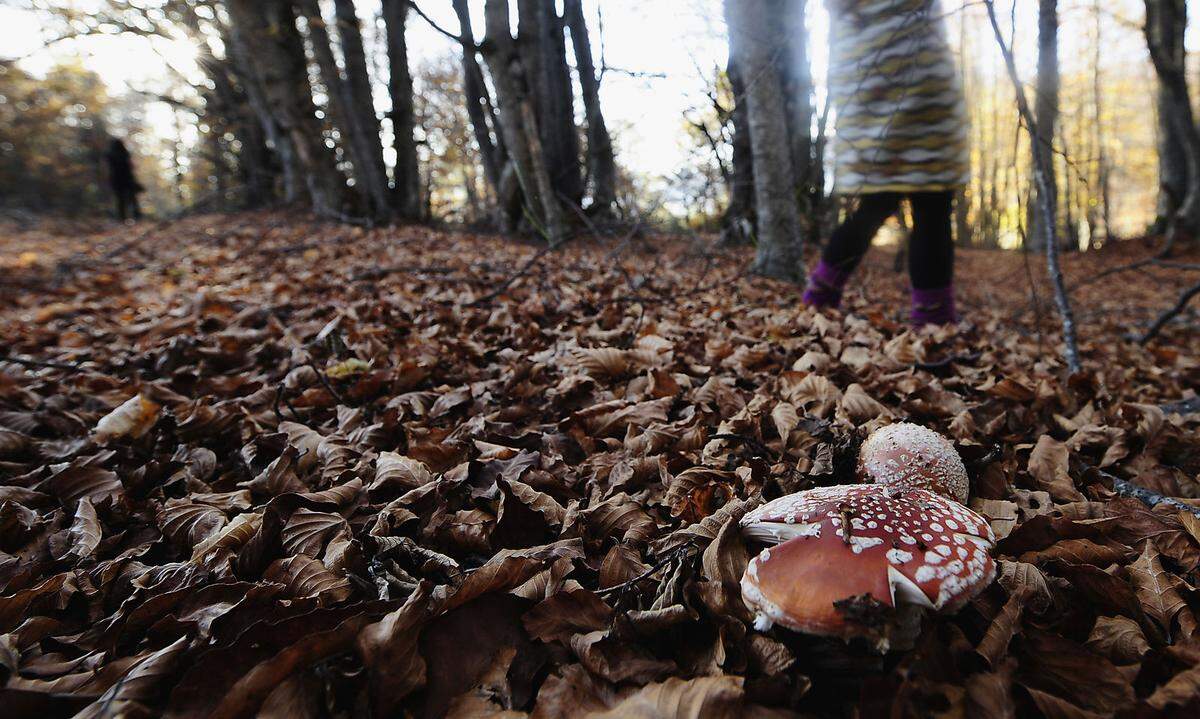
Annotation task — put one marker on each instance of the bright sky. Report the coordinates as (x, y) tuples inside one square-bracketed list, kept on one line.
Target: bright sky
[(683, 40)]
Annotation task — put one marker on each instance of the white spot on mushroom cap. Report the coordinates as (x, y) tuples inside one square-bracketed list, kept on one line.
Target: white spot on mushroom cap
[(858, 544)]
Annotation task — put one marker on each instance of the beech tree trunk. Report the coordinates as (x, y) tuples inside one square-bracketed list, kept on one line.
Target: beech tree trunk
[(361, 105), (273, 52), (737, 225), (229, 102), (796, 76), (601, 165), (1165, 20), (400, 87), (485, 123), (229, 109), (519, 122), (755, 45), (1046, 106), (340, 106), (542, 44), (1169, 22), (251, 81)]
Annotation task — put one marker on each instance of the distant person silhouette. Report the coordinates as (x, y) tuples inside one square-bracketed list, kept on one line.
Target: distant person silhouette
[(124, 185)]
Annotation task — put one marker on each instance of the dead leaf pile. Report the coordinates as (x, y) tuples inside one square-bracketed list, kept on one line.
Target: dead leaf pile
[(258, 467)]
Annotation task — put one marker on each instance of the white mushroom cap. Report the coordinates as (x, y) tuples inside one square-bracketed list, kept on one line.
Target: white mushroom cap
[(908, 546), (906, 455)]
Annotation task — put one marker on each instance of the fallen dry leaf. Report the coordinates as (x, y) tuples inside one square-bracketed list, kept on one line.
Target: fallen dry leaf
[(328, 481)]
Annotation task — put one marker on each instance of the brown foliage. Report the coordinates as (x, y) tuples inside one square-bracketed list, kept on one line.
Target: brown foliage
[(326, 487)]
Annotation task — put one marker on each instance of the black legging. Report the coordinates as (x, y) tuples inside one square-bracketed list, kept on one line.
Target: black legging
[(931, 245)]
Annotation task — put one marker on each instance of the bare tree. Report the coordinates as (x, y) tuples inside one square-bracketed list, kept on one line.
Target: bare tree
[(1166, 25), (796, 76), (407, 177), (480, 107), (342, 112), (601, 165), (519, 123), (757, 48), (541, 43), (271, 54), (1046, 107), (1047, 202), (737, 224), (361, 104), (1165, 22)]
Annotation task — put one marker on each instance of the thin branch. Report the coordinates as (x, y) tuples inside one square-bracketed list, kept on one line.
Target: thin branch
[(433, 24), (646, 574), (1148, 497), (1182, 406), (1048, 211), (41, 364), (1184, 298), (520, 272), (325, 381)]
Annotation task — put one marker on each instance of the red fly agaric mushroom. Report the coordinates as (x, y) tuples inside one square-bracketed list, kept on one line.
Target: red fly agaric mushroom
[(908, 456), (834, 544)]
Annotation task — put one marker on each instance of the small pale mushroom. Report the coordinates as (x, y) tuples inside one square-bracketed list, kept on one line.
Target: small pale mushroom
[(906, 455), (868, 542)]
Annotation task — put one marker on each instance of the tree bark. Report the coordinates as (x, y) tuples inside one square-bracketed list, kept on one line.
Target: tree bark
[(229, 105), (1164, 19), (541, 42), (237, 42), (340, 105), (756, 47), (361, 106), (797, 81), (1102, 218), (520, 123), (602, 167), (480, 108), (1166, 24), (737, 224), (400, 88), (269, 28), (1046, 105)]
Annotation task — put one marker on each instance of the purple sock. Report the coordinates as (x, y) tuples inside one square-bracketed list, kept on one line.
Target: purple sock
[(933, 307), (825, 286)]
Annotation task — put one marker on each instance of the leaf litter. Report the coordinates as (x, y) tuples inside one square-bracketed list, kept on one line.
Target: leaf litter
[(273, 468)]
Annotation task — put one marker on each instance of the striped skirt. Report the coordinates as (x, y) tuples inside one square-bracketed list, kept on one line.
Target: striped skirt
[(901, 118)]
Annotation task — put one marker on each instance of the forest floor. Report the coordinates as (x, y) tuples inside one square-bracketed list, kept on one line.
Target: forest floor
[(424, 472)]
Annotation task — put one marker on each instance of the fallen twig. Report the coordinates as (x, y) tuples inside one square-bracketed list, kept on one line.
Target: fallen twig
[(1182, 406), (1148, 497), (1184, 298), (328, 387), (952, 359), (646, 574), (519, 273), (750, 442), (41, 364)]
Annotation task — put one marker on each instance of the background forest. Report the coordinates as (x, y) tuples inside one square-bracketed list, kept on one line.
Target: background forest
[(636, 109), (461, 346)]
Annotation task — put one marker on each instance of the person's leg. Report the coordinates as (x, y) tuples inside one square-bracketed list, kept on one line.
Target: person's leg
[(120, 206), (136, 208), (931, 258), (846, 248)]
